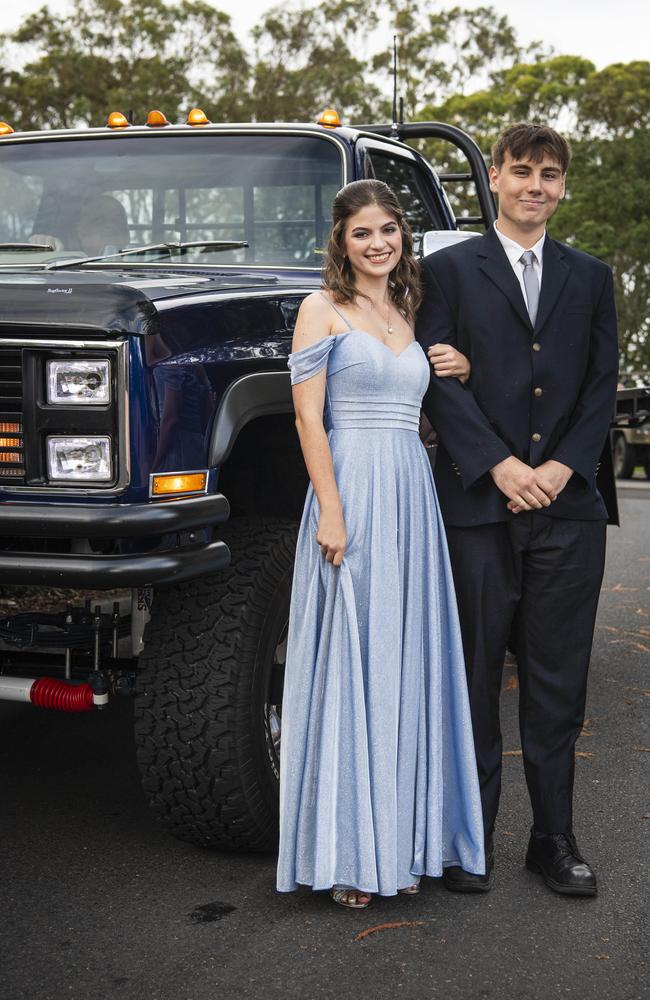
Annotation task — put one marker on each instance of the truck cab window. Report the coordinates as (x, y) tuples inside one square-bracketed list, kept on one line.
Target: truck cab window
[(89, 196), (404, 177)]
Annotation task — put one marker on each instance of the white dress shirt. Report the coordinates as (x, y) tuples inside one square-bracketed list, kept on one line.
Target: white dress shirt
[(514, 251)]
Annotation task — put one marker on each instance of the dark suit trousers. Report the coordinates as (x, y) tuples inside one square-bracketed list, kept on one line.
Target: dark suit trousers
[(538, 578)]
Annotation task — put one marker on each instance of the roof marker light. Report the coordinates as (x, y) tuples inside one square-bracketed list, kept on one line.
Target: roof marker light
[(197, 117), (329, 118), (117, 120), (5, 128), (156, 119)]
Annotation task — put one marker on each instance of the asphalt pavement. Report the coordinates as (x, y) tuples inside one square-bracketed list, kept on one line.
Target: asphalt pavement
[(98, 902)]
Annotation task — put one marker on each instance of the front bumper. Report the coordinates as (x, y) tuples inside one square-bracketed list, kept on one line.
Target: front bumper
[(161, 567)]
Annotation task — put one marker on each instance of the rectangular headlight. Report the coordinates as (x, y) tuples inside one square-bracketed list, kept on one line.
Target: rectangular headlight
[(79, 459), (85, 383)]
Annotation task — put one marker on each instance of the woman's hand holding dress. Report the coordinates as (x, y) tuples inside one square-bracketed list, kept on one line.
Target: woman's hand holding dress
[(331, 535)]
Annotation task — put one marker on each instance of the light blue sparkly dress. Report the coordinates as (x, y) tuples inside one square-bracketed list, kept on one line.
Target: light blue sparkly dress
[(378, 781)]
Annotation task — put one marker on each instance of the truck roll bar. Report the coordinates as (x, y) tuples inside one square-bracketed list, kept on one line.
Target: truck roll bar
[(463, 142)]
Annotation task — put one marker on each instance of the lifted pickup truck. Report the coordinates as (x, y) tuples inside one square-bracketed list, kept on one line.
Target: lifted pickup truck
[(631, 432), (149, 281)]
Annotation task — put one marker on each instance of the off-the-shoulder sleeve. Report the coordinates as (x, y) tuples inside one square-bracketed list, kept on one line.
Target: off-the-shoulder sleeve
[(310, 360)]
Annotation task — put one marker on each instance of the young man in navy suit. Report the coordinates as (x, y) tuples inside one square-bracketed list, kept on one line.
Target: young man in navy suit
[(518, 451)]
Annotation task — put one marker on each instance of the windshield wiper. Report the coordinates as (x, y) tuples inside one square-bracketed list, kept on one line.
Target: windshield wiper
[(181, 248), (40, 247)]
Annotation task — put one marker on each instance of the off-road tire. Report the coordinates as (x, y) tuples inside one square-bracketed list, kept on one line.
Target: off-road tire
[(203, 680), (624, 458)]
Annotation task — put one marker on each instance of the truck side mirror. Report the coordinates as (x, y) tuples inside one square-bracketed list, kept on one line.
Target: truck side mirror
[(436, 239)]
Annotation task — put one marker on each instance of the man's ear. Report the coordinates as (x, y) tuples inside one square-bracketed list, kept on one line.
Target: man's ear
[(494, 176), (563, 194)]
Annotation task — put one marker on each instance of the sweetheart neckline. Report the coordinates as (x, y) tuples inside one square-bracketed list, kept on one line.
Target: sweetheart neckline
[(381, 343)]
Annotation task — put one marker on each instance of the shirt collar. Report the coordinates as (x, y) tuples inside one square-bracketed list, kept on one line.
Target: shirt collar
[(514, 250)]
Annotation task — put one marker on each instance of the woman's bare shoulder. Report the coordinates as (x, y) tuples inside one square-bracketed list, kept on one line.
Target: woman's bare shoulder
[(315, 304), (314, 320)]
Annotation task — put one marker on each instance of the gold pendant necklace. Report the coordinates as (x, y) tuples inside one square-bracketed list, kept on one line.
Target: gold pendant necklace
[(386, 319), (389, 325)]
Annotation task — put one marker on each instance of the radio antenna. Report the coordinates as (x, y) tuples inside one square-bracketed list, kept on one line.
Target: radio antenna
[(394, 127)]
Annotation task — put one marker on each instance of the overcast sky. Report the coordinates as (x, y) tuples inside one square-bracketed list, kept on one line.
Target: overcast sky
[(601, 30)]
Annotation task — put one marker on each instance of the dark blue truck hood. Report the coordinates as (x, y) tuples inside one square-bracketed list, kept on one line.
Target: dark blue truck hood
[(123, 300)]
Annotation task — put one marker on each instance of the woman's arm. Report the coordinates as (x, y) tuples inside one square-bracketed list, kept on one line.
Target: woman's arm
[(314, 323)]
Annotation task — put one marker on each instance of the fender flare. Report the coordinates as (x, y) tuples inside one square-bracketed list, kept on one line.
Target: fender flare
[(259, 394)]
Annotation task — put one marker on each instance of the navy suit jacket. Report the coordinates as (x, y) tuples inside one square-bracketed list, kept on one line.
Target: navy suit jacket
[(542, 392)]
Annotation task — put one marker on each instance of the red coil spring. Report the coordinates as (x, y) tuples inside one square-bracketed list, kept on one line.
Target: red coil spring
[(47, 692)]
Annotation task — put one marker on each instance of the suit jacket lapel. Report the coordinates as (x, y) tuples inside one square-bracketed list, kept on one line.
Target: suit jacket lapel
[(495, 264), (555, 272)]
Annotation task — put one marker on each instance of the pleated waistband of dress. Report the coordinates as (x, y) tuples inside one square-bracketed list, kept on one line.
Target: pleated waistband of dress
[(376, 413)]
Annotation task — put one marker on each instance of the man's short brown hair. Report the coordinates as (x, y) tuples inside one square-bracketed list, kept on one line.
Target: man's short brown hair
[(525, 141)]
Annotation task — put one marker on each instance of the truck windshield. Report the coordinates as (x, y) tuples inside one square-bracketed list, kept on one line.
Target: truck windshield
[(91, 197)]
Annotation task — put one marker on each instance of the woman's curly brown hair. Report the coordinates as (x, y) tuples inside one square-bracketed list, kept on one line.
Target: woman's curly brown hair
[(338, 277)]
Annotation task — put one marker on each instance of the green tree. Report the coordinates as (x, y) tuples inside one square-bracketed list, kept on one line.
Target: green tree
[(607, 211), (618, 98), (607, 214), (125, 54), (309, 58), (442, 52)]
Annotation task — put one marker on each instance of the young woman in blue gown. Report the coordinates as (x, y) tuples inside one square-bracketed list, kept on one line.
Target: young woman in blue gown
[(378, 776)]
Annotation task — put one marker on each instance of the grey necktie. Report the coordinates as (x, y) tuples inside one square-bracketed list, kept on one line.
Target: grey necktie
[(531, 284)]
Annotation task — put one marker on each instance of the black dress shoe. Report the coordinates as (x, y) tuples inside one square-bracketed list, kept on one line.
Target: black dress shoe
[(556, 858), (458, 880)]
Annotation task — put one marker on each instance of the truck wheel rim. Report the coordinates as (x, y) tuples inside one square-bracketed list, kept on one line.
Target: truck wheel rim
[(619, 456), (273, 712)]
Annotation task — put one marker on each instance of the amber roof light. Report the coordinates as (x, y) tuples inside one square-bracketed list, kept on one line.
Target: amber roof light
[(117, 120), (329, 118), (156, 119), (197, 117), (5, 128)]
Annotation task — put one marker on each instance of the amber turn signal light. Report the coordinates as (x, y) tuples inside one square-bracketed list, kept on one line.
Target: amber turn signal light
[(10, 428), (156, 119), (5, 128), (117, 120), (178, 483), (329, 118), (197, 117)]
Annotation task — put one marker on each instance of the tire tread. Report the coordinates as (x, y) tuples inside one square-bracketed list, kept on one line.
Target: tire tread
[(193, 729)]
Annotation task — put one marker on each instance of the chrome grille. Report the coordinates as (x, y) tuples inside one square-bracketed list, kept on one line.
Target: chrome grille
[(12, 463)]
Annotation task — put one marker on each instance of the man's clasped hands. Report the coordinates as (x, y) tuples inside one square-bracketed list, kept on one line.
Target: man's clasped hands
[(528, 488)]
